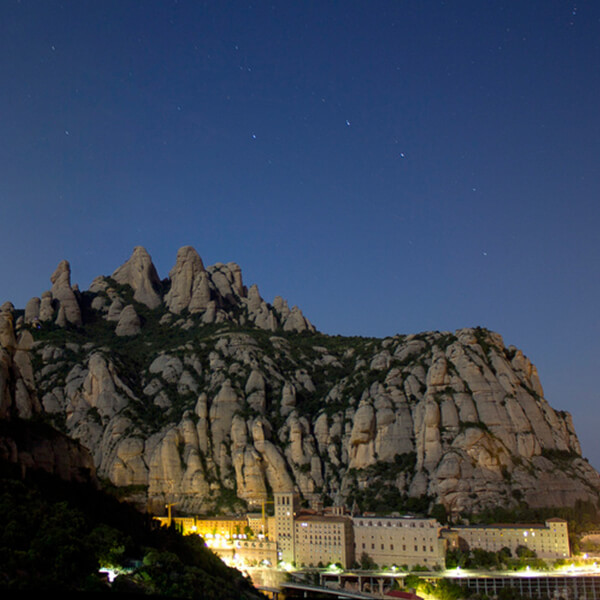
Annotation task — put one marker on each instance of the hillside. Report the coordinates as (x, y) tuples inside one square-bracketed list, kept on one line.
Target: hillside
[(56, 533), (193, 389)]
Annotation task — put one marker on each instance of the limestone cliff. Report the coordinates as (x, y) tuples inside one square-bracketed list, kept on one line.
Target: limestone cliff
[(24, 443), (197, 391)]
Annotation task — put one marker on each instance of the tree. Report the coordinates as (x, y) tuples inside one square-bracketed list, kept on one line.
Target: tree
[(484, 558), (525, 552), (504, 554), (367, 563), (457, 558)]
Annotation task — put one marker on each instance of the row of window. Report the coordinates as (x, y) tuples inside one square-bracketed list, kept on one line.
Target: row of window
[(391, 547), (305, 535), (401, 538), (360, 523)]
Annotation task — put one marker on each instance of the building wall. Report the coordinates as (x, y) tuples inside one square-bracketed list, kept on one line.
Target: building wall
[(184, 524), (211, 527), (399, 541), (272, 528), (245, 552), (548, 541), (322, 539), (256, 523), (220, 527), (286, 506)]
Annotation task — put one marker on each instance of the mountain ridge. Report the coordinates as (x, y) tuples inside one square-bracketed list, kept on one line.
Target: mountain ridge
[(194, 389)]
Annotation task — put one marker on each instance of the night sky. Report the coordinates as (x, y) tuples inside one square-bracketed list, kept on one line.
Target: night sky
[(389, 167)]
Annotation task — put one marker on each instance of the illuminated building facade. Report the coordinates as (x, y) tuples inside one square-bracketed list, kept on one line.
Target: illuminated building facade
[(399, 541), (323, 540), (307, 538), (286, 506), (549, 541)]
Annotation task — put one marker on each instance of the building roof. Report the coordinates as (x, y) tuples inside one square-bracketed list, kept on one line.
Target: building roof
[(405, 595), (392, 518), (502, 526), (223, 518), (323, 518)]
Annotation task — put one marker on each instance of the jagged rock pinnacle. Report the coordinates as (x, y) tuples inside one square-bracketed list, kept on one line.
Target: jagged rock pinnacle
[(189, 285), (64, 296), (139, 272)]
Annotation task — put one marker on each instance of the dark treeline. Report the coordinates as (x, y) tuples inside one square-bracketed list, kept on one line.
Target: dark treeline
[(55, 535)]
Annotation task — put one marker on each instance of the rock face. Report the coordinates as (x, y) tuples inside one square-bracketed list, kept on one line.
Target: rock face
[(64, 297), (31, 446), (18, 397), (189, 283), (212, 394), (139, 273), (129, 322), (24, 443)]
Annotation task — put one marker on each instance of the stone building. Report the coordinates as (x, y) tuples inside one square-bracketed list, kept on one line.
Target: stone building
[(321, 540), (549, 541), (399, 541), (286, 507), (220, 527)]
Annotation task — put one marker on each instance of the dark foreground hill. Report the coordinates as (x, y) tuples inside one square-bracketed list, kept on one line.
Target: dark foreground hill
[(55, 534)]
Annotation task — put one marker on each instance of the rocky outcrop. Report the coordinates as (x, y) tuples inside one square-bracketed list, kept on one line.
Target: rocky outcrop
[(212, 295), (35, 447), (212, 394), (25, 444), (32, 310), (64, 297), (129, 322), (18, 397), (451, 417), (140, 273), (189, 283)]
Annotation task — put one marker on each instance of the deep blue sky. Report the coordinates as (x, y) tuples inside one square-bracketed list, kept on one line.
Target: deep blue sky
[(389, 167)]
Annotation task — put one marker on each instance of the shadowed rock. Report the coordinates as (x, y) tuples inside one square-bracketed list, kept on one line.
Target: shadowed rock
[(64, 296), (129, 322), (189, 284), (139, 272)]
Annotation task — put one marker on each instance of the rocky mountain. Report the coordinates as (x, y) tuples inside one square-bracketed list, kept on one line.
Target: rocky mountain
[(195, 390)]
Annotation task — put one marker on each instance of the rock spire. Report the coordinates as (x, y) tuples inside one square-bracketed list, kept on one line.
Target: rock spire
[(140, 273), (189, 283)]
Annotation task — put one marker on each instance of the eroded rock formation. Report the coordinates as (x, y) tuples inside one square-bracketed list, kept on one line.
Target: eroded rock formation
[(207, 392)]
